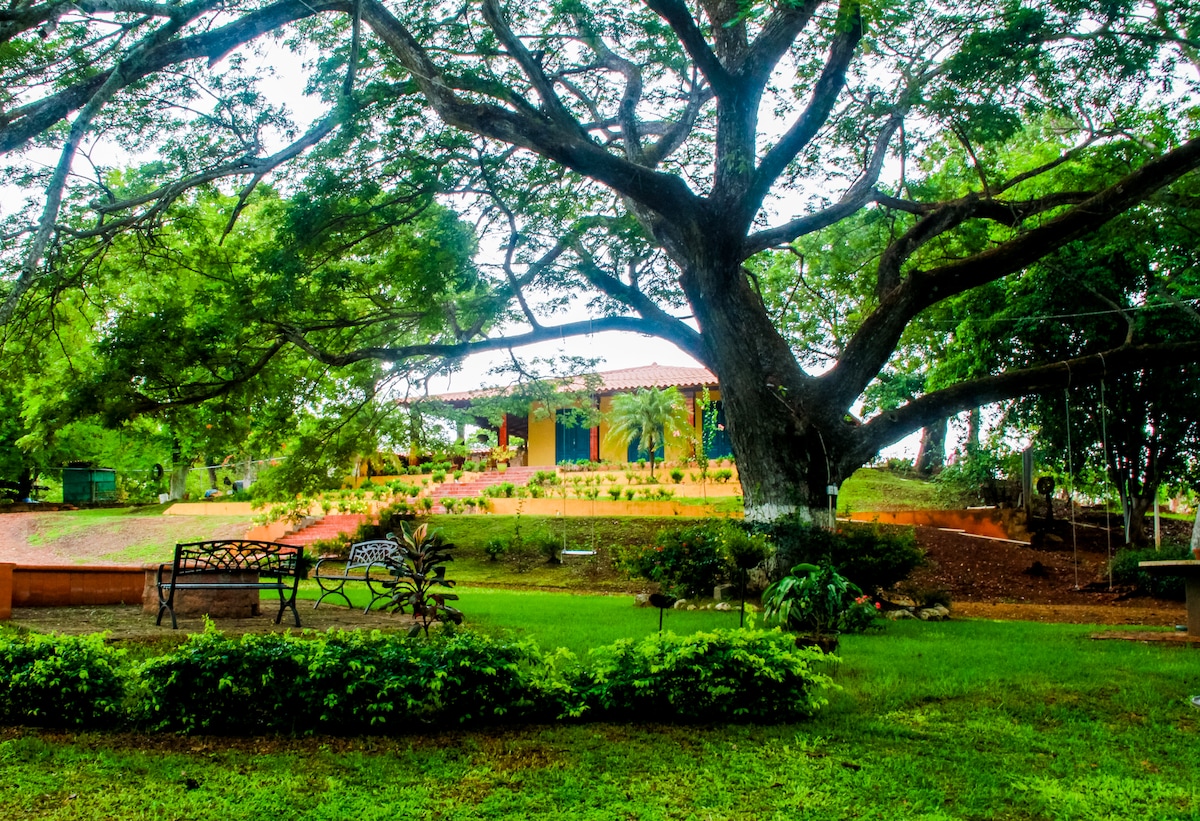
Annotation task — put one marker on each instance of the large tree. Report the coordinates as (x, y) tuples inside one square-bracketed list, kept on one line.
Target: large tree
[(635, 158)]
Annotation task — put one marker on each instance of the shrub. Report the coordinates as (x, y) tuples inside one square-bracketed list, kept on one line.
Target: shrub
[(818, 600), (391, 519), (61, 681), (502, 490), (1125, 570), (676, 475), (343, 683), (615, 493), (418, 569), (738, 675), (874, 557), (495, 547), (723, 475), (684, 562)]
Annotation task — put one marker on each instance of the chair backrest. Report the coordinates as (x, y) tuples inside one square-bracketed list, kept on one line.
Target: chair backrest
[(237, 556), (376, 551)]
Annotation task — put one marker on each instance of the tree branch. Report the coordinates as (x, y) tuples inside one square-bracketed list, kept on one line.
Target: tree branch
[(824, 96), (876, 338), (677, 16), (22, 124), (892, 426), (456, 350), (664, 193)]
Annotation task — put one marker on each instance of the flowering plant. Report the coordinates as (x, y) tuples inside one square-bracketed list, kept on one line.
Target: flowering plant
[(818, 600)]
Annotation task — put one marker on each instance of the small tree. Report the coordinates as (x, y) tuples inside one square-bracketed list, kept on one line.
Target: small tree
[(648, 417)]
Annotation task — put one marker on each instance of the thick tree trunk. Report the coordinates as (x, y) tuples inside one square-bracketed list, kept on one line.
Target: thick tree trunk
[(1139, 505), (785, 442), (932, 455), (1196, 534)]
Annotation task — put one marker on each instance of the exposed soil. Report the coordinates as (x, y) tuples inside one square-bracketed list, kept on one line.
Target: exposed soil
[(1061, 577)]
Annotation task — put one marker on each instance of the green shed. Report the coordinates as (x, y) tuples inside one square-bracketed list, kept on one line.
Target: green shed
[(88, 485)]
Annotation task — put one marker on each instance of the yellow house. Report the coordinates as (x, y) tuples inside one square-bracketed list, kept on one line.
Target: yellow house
[(553, 436)]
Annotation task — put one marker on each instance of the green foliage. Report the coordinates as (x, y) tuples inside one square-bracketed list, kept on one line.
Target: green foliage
[(724, 675), (649, 417), (1125, 570), (819, 600), (342, 683), (418, 570), (983, 476), (874, 557), (61, 681), (683, 561), (494, 548)]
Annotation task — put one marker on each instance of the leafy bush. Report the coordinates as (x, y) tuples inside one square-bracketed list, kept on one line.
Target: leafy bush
[(391, 519), (723, 475), (418, 568), (501, 490), (684, 562), (818, 600), (342, 683), (1125, 570), (495, 548), (874, 557), (738, 675), (61, 681)]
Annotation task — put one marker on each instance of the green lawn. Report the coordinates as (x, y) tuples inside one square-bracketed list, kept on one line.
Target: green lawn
[(552, 619), (875, 489), (959, 720)]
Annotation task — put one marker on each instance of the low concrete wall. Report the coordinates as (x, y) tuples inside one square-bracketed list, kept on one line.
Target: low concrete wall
[(999, 524), (600, 507), (6, 582), (67, 585), (209, 509)]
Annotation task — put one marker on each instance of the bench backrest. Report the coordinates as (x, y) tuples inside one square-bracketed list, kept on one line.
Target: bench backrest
[(236, 556), (365, 554)]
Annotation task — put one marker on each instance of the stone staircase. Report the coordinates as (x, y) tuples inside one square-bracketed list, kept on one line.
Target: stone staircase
[(519, 476), (328, 527)]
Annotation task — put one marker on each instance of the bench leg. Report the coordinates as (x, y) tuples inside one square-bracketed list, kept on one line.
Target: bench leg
[(284, 604), (330, 591)]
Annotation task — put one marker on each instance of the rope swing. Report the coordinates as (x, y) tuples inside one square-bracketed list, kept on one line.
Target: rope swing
[(1071, 481), (1107, 511)]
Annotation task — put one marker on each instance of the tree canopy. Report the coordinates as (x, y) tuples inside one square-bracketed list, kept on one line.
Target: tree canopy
[(634, 160)]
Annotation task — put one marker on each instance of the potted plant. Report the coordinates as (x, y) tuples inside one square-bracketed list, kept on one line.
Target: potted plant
[(820, 603), (502, 455)]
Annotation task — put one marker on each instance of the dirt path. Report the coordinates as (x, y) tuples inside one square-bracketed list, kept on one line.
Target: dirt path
[(57, 538)]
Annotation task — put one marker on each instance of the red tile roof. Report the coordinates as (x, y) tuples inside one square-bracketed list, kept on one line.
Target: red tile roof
[(625, 379)]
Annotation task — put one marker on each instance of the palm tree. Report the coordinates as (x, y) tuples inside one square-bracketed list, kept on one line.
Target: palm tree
[(648, 416)]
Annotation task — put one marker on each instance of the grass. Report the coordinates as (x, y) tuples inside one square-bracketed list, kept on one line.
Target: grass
[(958, 720), (876, 489), (577, 622)]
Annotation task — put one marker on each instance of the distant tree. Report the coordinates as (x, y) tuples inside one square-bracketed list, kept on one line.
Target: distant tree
[(649, 417)]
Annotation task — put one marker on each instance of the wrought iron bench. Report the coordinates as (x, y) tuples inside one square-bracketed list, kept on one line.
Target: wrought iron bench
[(231, 564), (357, 568)]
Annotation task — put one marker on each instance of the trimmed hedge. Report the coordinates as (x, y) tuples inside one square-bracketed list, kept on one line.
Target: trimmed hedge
[(62, 681), (726, 675), (353, 683)]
